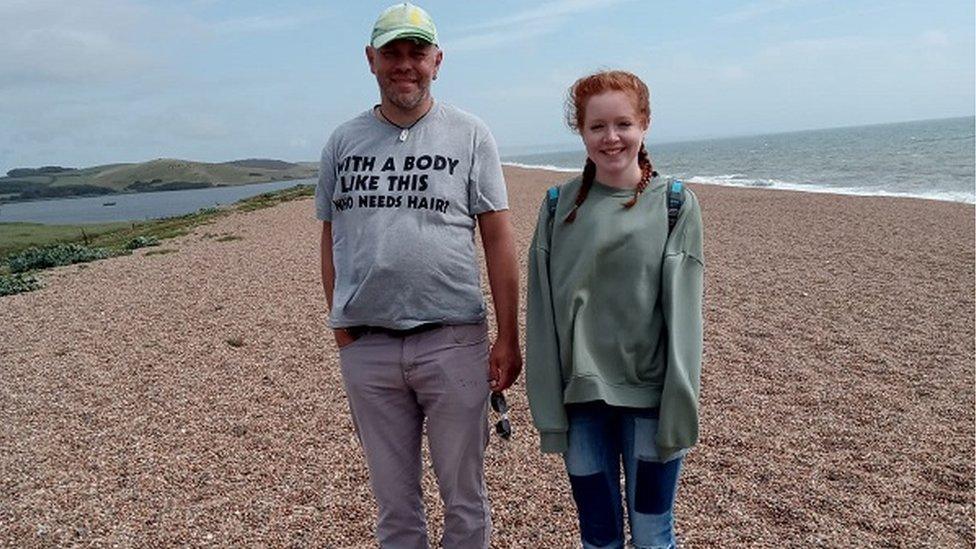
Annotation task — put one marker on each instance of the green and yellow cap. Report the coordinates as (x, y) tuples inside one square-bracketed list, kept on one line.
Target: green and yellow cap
[(403, 21)]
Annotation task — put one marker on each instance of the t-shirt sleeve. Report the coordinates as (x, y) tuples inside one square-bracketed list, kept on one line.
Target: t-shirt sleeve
[(486, 184), (327, 180)]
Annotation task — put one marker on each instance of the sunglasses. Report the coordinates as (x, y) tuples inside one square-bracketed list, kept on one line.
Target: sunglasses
[(504, 426)]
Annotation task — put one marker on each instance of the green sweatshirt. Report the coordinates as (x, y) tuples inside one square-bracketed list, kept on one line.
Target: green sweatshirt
[(615, 311)]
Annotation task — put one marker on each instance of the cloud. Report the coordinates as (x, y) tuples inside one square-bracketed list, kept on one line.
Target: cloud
[(732, 73), (267, 23), (90, 43), (760, 9), (488, 39), (186, 123), (536, 21), (45, 42), (798, 50), (934, 38), (64, 55), (547, 11), (87, 43)]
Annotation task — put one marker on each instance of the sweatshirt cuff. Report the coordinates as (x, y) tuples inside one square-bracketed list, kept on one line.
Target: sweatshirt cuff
[(553, 443), (668, 453)]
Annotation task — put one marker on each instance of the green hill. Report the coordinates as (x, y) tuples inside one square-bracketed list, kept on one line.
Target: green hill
[(155, 175), (261, 163)]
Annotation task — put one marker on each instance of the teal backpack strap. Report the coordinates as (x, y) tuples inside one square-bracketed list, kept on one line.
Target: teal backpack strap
[(553, 198), (675, 199)]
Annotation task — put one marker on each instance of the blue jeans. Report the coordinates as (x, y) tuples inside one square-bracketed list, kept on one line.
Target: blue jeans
[(600, 437)]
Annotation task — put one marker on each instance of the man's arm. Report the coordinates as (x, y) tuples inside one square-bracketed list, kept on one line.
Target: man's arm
[(342, 336), (505, 361)]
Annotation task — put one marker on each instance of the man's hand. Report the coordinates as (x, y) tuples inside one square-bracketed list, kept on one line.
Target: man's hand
[(497, 236), (343, 337), (504, 364)]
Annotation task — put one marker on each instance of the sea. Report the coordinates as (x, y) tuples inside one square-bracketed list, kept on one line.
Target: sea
[(930, 159)]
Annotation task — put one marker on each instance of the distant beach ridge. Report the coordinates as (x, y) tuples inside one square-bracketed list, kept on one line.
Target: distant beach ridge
[(930, 159)]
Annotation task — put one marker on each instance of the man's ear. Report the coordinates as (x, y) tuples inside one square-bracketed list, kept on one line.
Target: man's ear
[(437, 62), (370, 57)]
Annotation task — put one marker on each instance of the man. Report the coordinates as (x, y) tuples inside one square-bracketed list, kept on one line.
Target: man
[(401, 189)]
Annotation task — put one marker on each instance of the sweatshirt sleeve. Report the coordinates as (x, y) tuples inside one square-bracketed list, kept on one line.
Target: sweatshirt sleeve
[(681, 294), (543, 372)]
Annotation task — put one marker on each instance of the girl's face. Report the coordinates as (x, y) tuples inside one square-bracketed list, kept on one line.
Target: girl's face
[(612, 133)]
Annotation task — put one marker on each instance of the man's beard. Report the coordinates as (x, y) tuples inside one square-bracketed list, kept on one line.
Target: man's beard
[(406, 101)]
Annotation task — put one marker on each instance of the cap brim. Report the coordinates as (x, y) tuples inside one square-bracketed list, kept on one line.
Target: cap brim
[(389, 36)]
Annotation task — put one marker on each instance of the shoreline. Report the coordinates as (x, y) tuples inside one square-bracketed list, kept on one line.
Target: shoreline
[(776, 186)]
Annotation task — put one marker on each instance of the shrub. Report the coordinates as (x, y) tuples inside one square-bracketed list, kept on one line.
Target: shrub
[(53, 256), (141, 242), (17, 283)]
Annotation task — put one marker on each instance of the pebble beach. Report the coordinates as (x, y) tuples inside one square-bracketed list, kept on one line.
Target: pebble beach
[(193, 398)]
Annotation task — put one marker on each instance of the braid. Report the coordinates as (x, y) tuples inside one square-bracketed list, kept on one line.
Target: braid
[(589, 173), (647, 172)]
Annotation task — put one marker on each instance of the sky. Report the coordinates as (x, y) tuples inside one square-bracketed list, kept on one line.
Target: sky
[(93, 82)]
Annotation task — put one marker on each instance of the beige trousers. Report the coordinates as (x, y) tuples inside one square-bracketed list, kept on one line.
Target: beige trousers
[(396, 383)]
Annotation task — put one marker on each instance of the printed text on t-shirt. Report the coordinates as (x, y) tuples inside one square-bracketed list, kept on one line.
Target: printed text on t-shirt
[(357, 175)]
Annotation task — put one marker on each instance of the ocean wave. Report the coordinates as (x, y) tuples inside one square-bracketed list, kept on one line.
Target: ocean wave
[(740, 180), (547, 167), (737, 180)]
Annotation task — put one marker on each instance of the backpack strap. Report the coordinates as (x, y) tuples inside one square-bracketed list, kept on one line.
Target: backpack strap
[(552, 196), (675, 199)]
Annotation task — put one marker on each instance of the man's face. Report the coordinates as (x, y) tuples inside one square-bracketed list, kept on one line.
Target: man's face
[(404, 70)]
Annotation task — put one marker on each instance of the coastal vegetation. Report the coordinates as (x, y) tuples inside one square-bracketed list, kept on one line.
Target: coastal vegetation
[(56, 255), (16, 237), (33, 247), (18, 283), (163, 174)]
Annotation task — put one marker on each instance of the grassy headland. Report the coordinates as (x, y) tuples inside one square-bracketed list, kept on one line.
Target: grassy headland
[(155, 175)]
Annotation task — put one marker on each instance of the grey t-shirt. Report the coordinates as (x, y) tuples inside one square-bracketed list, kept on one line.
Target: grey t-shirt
[(403, 217)]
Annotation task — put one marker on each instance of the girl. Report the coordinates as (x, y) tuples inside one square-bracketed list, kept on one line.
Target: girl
[(614, 335)]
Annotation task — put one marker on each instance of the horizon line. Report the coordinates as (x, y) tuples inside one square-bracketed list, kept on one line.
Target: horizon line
[(743, 135)]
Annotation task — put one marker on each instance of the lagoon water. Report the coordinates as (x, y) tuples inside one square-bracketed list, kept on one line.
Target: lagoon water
[(931, 159), (135, 206)]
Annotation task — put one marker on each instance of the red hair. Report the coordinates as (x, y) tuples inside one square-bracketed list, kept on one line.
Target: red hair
[(579, 94), (595, 84)]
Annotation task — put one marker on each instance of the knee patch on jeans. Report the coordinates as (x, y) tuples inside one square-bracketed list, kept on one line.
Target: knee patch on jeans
[(655, 486), (594, 502)]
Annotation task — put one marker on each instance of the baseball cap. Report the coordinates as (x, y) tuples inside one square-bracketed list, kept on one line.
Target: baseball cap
[(403, 20)]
